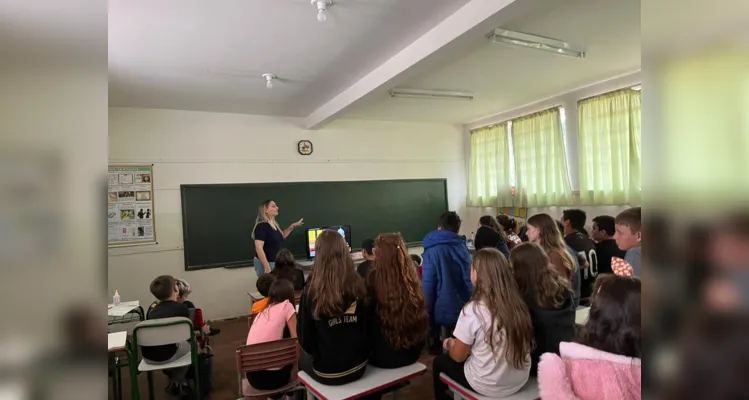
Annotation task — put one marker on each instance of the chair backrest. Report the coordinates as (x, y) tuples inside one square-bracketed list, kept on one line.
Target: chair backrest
[(157, 332), (262, 356), (255, 296)]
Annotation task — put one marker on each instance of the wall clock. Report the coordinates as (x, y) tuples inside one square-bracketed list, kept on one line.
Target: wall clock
[(304, 147)]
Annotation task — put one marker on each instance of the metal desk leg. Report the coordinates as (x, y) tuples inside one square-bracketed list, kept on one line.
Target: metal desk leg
[(117, 379), (151, 394)]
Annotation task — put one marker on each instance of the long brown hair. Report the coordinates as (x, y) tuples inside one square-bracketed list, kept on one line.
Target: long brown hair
[(491, 222), (552, 241), (537, 280), (509, 225), (614, 320), (396, 290), (333, 280), (281, 290), (496, 289), (285, 266)]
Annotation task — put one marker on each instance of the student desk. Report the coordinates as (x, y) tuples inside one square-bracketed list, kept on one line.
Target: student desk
[(117, 342), (123, 313), (374, 380)]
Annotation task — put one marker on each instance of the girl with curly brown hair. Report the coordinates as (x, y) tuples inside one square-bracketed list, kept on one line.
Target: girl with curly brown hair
[(400, 322)]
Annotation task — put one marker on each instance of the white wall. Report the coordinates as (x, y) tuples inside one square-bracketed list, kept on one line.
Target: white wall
[(196, 147), (569, 101)]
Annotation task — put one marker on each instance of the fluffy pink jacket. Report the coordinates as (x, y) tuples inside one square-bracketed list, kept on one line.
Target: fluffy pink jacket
[(584, 373)]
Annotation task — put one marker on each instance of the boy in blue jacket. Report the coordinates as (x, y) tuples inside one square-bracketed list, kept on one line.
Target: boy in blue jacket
[(446, 276)]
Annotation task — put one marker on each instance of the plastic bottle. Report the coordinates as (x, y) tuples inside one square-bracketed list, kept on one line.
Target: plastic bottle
[(116, 298)]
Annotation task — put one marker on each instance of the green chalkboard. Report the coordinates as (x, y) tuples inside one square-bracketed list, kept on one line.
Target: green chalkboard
[(217, 219)]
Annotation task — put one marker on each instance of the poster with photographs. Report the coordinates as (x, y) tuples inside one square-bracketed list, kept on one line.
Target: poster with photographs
[(130, 218)]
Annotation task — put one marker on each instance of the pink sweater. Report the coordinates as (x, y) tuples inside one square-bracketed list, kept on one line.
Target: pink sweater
[(584, 373)]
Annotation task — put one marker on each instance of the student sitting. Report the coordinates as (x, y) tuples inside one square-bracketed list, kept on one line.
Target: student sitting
[(269, 326), (576, 237), (490, 353), (164, 288), (629, 238), (547, 297), (490, 234), (511, 228), (285, 268), (417, 262), (185, 290), (333, 316), (604, 361), (447, 276), (263, 287), (543, 230), (400, 324), (367, 251), (604, 227)]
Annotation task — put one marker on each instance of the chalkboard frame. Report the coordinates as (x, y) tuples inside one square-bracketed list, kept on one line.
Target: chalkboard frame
[(250, 263)]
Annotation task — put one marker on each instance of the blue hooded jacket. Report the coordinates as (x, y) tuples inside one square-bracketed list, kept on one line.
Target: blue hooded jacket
[(446, 276)]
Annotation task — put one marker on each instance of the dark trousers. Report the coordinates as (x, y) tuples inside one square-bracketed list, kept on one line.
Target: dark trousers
[(270, 380), (435, 333), (446, 365)]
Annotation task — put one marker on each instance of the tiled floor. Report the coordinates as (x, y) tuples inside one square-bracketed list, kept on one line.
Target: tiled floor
[(234, 334)]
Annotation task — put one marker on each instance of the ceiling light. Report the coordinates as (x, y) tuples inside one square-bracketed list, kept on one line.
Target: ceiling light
[(322, 6), (431, 94), (269, 80), (519, 39)]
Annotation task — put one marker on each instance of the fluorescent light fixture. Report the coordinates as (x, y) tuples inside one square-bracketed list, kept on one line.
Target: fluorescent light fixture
[(519, 39), (430, 94), (638, 87)]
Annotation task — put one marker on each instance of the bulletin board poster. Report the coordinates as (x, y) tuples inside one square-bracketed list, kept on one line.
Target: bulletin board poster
[(130, 211)]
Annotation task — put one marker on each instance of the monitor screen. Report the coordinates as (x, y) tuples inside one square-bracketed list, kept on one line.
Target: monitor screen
[(313, 233)]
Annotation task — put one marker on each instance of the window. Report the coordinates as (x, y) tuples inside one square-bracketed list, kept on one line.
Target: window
[(520, 163), (610, 154)]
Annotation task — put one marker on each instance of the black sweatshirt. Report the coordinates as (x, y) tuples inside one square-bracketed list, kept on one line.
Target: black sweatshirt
[(550, 327), (384, 355), (339, 345)]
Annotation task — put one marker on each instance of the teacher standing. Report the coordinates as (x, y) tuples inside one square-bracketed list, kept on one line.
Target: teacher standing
[(268, 236)]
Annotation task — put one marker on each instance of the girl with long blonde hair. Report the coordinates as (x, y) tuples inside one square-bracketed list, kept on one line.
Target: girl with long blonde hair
[(401, 323), (490, 351)]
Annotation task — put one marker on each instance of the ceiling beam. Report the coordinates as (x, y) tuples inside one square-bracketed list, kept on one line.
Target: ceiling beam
[(467, 17)]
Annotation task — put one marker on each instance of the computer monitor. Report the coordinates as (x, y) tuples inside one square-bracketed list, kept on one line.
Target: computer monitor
[(313, 233)]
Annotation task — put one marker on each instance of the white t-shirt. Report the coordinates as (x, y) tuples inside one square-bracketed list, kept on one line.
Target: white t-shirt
[(490, 376)]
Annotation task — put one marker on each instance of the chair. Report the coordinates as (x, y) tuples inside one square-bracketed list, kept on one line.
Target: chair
[(528, 392), (263, 356), (374, 380), (158, 332)]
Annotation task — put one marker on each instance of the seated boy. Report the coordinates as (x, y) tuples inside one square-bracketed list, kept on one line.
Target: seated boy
[(367, 251), (164, 288), (629, 238), (263, 286)]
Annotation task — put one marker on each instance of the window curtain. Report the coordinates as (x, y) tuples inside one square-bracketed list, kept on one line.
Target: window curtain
[(489, 168), (541, 175), (610, 153)]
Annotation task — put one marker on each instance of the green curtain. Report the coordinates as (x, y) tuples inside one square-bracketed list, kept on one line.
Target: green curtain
[(541, 175), (610, 154), (489, 168)]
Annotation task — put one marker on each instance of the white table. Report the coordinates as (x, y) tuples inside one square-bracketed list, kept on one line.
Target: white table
[(116, 341), (374, 379), (581, 315), (117, 313)]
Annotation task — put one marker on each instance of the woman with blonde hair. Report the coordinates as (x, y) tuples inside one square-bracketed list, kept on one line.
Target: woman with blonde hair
[(490, 351), (333, 315), (268, 236), (401, 323)]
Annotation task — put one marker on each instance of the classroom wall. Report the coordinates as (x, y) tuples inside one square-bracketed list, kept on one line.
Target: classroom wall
[(568, 100), (197, 147)]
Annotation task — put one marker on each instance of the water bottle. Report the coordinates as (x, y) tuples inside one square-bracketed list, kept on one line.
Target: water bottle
[(116, 298)]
